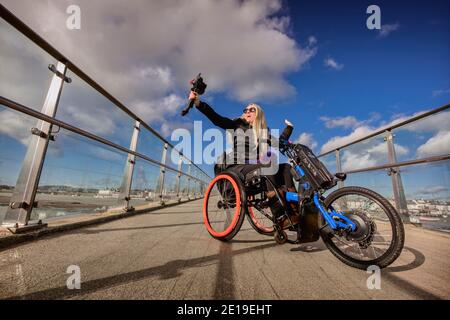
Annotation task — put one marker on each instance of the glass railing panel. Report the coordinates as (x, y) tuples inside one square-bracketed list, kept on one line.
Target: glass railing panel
[(79, 176), (173, 158), (330, 162), (144, 186), (364, 154), (195, 172), (150, 145), (423, 138), (170, 191), (427, 190), (192, 188), (83, 107), (14, 138), (24, 74), (184, 187), (377, 180), (202, 188), (185, 165)]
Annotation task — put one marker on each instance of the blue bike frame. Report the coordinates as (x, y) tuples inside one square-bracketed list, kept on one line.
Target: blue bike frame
[(335, 220)]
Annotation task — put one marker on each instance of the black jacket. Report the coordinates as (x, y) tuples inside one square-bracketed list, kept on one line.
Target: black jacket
[(222, 122), (239, 143)]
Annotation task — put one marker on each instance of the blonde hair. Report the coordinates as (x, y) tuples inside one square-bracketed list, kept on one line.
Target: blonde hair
[(259, 128)]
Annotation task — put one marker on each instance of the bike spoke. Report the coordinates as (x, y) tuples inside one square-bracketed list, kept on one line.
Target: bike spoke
[(366, 248)]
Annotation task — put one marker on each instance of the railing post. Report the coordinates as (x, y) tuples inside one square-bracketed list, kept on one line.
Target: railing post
[(177, 188), (397, 185), (125, 187), (24, 194), (162, 174), (339, 166)]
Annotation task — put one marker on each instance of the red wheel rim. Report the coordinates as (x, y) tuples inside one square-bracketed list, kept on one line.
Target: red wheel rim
[(237, 212), (256, 221)]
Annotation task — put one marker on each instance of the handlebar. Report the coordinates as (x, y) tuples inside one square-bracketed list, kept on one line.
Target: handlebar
[(190, 105), (287, 132), (199, 87)]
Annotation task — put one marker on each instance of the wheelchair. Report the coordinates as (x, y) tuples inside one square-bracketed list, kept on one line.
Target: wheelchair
[(359, 226), (231, 196)]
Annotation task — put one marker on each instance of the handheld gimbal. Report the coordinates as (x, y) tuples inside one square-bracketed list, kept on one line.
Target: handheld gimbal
[(199, 87)]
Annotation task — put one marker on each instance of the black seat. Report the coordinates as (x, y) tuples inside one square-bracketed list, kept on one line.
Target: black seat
[(256, 173), (341, 176)]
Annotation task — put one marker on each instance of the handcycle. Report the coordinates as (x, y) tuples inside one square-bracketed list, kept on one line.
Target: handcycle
[(359, 226)]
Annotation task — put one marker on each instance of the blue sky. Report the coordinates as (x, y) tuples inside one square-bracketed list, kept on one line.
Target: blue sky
[(318, 64), (381, 78), (391, 76)]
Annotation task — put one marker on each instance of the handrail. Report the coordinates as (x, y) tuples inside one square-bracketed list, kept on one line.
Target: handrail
[(401, 164), (387, 128), (9, 17), (36, 114)]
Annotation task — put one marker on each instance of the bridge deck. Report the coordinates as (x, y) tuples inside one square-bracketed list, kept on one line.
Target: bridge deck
[(168, 254)]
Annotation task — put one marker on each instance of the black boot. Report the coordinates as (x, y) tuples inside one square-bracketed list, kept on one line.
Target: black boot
[(274, 203), (280, 209)]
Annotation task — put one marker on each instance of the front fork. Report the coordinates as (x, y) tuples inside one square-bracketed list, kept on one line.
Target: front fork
[(335, 220)]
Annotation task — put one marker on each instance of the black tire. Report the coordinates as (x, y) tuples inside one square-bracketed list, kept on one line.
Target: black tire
[(242, 212), (398, 232), (280, 237)]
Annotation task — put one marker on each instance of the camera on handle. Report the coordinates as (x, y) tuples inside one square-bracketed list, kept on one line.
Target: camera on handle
[(199, 87)]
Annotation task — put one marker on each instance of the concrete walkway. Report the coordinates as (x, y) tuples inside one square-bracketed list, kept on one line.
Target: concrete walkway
[(168, 254)]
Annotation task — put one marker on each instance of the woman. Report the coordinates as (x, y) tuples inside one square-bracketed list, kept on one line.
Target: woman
[(255, 153)]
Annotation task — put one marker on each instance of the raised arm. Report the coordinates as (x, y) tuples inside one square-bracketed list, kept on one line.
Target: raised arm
[(216, 119)]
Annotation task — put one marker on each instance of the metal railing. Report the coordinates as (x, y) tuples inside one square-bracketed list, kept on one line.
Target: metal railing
[(23, 197), (387, 151)]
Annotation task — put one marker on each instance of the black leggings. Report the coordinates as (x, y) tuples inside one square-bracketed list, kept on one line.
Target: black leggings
[(283, 177)]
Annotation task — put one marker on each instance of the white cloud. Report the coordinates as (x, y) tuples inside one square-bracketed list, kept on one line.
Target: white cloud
[(439, 144), (387, 29), (437, 93), (24, 73), (81, 117), (167, 128), (346, 122), (431, 124), (373, 151), (354, 161), (370, 153), (16, 125), (312, 40), (432, 190), (158, 110), (145, 53), (338, 141), (226, 40), (381, 149), (333, 64), (307, 139)]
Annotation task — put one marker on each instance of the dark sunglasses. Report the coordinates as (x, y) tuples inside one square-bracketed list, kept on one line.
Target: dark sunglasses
[(246, 110)]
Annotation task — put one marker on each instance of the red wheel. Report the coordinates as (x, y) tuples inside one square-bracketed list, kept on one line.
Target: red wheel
[(223, 205), (260, 222)]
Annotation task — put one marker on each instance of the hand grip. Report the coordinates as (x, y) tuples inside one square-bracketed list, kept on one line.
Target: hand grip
[(189, 106), (286, 134)]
